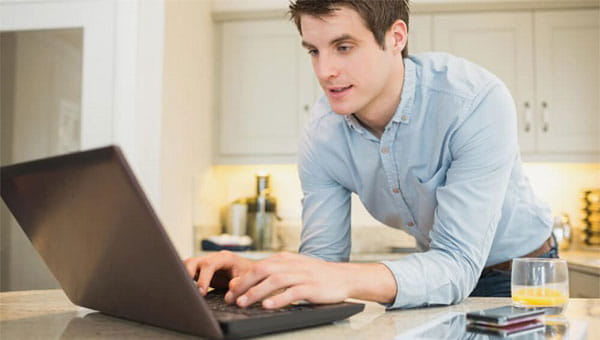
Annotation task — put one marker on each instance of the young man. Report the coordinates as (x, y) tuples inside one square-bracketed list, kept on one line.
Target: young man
[(429, 144)]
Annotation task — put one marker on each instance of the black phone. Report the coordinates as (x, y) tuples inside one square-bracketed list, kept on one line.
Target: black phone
[(520, 329), (504, 316)]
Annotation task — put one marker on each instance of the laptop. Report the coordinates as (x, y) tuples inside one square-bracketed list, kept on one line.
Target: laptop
[(87, 216)]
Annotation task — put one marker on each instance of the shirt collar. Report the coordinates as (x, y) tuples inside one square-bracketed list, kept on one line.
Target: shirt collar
[(402, 114), (354, 123), (404, 109)]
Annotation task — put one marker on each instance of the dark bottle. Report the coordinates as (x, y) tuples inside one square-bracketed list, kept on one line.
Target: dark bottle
[(262, 215)]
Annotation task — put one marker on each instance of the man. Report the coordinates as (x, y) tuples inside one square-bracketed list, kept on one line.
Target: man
[(429, 144)]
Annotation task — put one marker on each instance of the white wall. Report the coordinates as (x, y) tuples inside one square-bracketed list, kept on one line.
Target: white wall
[(186, 140)]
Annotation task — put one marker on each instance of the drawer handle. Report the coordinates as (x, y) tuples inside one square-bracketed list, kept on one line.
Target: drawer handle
[(545, 117), (527, 117)]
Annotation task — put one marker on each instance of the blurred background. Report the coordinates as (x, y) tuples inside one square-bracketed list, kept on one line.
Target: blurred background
[(204, 95)]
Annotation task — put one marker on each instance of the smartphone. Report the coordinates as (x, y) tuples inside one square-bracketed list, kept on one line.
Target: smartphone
[(504, 316), (518, 329)]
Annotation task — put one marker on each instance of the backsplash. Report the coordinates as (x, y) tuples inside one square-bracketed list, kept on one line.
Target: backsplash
[(558, 184), (561, 185)]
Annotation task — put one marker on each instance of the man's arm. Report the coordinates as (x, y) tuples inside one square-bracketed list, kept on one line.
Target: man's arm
[(484, 149), (285, 277), (325, 203)]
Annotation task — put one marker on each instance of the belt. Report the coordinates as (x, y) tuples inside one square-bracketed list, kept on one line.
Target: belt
[(507, 265)]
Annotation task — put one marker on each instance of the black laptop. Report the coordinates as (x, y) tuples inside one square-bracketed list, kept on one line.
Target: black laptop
[(90, 221)]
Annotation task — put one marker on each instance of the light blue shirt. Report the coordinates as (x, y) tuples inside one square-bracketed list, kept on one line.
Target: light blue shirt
[(447, 170)]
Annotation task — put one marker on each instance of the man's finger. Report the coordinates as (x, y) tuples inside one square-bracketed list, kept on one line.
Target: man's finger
[(258, 272), (191, 265), (285, 298), (268, 286)]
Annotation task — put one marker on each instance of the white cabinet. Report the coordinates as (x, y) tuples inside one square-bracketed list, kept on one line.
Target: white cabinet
[(567, 49), (419, 33), (266, 91), (550, 63)]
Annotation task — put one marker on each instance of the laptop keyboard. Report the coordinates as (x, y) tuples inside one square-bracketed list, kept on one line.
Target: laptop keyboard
[(217, 304)]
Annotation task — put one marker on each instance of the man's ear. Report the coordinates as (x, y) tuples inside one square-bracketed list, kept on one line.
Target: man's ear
[(397, 36)]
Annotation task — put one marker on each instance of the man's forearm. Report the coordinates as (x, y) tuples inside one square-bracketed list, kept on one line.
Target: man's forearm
[(369, 281)]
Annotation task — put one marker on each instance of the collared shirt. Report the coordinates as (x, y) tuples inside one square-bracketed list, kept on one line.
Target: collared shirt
[(446, 170)]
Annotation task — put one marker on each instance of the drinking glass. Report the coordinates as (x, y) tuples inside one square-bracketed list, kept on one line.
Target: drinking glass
[(540, 283)]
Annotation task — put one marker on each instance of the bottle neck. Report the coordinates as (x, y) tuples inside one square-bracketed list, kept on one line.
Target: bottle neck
[(262, 185)]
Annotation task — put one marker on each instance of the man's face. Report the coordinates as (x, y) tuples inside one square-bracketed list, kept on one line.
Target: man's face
[(351, 67)]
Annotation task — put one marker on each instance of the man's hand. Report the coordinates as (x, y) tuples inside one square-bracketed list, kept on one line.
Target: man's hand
[(216, 270), (285, 278)]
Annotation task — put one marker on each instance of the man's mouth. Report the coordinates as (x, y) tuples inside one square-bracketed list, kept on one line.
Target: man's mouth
[(339, 89)]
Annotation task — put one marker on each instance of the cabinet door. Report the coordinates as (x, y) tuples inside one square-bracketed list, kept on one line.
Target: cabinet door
[(266, 88), (419, 33), (500, 42), (568, 81)]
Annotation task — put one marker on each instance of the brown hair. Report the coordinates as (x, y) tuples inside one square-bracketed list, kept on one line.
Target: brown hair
[(378, 15)]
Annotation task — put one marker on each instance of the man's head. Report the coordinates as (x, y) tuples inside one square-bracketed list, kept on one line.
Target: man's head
[(356, 49), (378, 15)]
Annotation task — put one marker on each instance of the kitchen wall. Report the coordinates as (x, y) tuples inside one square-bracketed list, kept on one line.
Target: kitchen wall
[(561, 185), (187, 117)]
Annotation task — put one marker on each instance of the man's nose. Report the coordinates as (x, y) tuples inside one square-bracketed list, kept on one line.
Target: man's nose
[(326, 67)]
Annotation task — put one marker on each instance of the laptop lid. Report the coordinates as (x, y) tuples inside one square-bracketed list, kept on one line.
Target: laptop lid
[(90, 221)]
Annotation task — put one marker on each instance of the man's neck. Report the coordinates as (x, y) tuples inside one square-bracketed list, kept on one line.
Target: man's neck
[(376, 116)]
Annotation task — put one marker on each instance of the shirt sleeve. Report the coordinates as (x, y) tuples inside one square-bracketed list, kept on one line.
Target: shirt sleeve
[(484, 149), (325, 207)]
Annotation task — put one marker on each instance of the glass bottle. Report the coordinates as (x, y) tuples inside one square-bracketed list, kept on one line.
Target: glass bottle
[(262, 215)]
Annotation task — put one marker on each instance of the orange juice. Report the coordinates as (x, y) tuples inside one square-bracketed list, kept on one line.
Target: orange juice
[(539, 297), (552, 300)]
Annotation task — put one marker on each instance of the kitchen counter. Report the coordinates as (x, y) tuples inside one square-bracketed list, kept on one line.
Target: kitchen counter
[(587, 261), (584, 272), (48, 314)]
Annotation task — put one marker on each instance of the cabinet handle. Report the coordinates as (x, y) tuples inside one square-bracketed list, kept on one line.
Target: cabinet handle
[(527, 117), (545, 117)]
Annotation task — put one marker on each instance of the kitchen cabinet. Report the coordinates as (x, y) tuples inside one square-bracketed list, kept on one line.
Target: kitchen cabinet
[(266, 91), (583, 283), (267, 88), (550, 61), (567, 49), (419, 33)]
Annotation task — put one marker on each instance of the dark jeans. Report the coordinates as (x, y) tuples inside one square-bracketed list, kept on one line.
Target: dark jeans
[(496, 283)]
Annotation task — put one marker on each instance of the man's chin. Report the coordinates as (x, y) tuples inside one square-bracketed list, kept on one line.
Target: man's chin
[(342, 110)]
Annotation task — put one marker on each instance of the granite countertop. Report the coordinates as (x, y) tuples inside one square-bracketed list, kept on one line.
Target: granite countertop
[(49, 315)]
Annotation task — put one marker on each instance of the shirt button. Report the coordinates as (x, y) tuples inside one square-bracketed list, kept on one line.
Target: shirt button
[(385, 150), (395, 190), (410, 224), (404, 118)]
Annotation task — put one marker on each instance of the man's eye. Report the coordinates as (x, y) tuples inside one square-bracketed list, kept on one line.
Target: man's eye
[(313, 52), (344, 48)]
